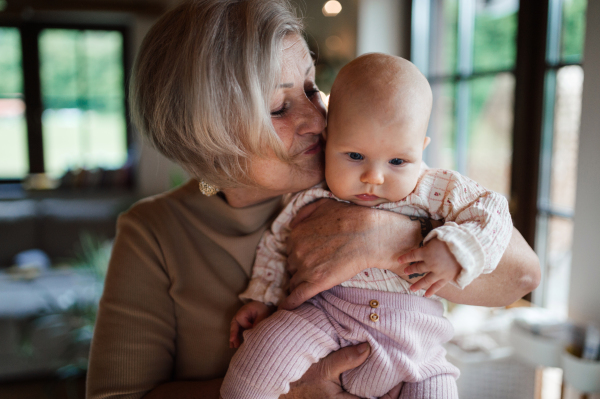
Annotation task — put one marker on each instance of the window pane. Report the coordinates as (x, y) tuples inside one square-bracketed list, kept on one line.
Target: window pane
[(573, 30), (567, 114), (558, 264), (490, 131), (444, 29), (441, 153), (495, 37), (14, 162), (83, 93)]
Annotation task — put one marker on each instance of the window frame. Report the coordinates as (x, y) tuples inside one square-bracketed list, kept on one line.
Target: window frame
[(32, 93)]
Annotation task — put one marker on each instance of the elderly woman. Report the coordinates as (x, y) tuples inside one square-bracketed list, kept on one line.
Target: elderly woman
[(227, 89)]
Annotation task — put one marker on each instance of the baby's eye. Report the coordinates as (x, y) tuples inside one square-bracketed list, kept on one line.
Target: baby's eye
[(355, 156), (397, 161)]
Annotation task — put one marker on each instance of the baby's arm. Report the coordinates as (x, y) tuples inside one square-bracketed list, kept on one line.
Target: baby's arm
[(476, 232), (270, 281)]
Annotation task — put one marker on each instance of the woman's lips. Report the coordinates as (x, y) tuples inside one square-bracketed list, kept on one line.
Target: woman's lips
[(313, 149), (367, 197)]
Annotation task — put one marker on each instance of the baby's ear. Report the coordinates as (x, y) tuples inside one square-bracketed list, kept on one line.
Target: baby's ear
[(426, 142)]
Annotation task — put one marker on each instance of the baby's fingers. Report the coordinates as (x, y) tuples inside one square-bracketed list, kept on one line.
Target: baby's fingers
[(435, 287), (260, 317), (416, 255), (418, 269), (234, 334), (424, 283)]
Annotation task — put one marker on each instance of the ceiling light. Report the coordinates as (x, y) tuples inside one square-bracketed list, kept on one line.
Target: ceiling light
[(332, 8)]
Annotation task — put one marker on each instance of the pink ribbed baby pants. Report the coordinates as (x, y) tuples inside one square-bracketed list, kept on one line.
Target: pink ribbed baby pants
[(405, 332)]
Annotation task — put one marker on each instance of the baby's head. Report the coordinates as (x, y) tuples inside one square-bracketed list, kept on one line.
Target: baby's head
[(376, 129)]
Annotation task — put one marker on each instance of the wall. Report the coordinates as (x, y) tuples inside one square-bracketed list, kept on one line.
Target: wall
[(154, 171), (584, 297), (381, 27)]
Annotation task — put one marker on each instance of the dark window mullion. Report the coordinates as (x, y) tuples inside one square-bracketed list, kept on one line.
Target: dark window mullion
[(33, 98), (528, 106)]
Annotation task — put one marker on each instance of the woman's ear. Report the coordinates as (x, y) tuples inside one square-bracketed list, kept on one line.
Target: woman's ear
[(426, 142)]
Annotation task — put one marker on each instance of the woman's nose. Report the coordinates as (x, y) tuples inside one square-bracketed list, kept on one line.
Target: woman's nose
[(372, 176), (313, 117)]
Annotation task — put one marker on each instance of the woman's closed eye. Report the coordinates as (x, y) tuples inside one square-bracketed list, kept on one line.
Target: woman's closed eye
[(397, 161), (355, 156), (313, 91), (280, 111)]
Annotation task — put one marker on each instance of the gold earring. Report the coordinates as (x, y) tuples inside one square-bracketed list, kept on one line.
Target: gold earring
[(207, 189)]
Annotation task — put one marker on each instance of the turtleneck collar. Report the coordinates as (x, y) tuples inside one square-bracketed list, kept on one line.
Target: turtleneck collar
[(227, 220)]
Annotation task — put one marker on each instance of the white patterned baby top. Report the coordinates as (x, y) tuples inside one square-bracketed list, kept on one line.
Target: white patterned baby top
[(477, 228)]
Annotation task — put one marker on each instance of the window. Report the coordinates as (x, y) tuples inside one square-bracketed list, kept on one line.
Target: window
[(507, 81), (62, 100), (469, 62), (14, 160)]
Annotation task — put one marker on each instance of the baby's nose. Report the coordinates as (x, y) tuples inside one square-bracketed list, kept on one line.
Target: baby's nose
[(372, 176)]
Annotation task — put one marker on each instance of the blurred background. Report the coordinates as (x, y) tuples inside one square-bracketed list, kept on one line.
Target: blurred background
[(507, 78)]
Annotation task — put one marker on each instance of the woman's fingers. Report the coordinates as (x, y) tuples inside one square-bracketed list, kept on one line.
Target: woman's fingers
[(322, 379), (333, 365), (299, 295)]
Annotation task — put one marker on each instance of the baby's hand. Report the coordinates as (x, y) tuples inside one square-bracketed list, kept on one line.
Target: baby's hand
[(437, 261), (246, 318)]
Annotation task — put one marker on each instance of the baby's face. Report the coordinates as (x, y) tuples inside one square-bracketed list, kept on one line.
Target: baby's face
[(371, 160)]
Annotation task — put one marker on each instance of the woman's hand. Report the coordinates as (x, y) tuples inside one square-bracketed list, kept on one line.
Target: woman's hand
[(333, 241), (322, 380)]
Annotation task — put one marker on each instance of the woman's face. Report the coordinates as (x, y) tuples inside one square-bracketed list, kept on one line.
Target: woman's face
[(298, 115)]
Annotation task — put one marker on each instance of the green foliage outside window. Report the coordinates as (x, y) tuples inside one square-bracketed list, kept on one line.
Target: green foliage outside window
[(11, 80), (573, 30)]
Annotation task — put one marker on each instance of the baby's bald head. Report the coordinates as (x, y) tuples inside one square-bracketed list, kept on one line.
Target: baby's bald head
[(376, 130), (387, 87)]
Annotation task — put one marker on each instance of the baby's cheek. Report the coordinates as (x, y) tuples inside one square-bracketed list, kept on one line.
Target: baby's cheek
[(338, 181), (401, 187)]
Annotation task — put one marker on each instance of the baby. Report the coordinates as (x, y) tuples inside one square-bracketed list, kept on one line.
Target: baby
[(377, 122)]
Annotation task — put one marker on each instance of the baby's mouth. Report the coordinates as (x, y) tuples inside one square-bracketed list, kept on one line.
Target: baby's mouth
[(367, 197)]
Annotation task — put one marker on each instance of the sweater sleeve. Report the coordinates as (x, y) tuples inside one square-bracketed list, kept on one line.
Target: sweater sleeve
[(133, 346), (270, 280), (477, 227)]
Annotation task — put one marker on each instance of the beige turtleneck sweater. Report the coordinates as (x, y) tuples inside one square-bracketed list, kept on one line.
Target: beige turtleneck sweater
[(179, 261)]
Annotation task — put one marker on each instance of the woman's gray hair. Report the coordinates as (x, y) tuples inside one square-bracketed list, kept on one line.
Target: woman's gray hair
[(202, 84)]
